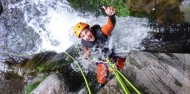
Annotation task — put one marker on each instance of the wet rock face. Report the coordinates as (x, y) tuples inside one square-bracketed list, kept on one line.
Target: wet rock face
[(165, 11), (154, 73), (112, 87), (159, 73), (184, 7), (11, 83), (173, 39), (51, 85), (1, 8), (171, 32)]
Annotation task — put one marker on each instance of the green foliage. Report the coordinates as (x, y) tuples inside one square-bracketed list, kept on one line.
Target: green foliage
[(29, 88), (120, 5), (41, 68), (95, 5)]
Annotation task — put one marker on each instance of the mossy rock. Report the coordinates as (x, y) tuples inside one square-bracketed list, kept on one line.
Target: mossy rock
[(164, 11)]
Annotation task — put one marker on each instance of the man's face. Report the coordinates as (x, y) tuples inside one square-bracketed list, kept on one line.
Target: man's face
[(87, 35)]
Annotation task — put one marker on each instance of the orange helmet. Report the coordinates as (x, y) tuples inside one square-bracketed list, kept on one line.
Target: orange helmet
[(79, 27)]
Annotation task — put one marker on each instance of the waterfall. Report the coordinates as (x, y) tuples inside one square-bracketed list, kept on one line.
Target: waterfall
[(51, 20), (29, 27), (54, 20)]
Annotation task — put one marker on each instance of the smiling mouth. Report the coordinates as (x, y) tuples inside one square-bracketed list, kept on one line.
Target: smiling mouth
[(89, 37)]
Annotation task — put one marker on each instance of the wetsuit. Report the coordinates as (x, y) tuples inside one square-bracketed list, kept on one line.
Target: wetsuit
[(101, 35)]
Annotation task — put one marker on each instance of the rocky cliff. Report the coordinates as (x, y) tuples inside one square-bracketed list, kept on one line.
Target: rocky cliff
[(155, 73)]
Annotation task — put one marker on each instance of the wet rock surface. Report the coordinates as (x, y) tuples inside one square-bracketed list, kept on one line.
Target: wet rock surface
[(163, 11), (160, 72), (186, 10), (11, 83), (156, 73), (150, 73), (1, 8), (51, 85), (112, 87), (172, 39)]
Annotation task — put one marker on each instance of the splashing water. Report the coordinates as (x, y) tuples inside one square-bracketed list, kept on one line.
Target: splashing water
[(126, 36), (129, 33), (54, 20)]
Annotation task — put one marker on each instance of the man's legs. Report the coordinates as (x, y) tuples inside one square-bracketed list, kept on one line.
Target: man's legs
[(102, 74), (120, 62)]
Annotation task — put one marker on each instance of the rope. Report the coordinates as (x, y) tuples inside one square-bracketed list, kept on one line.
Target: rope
[(137, 91), (117, 73), (86, 82), (5, 51), (112, 67), (121, 83)]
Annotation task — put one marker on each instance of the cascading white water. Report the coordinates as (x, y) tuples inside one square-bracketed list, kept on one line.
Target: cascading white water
[(126, 36), (54, 22)]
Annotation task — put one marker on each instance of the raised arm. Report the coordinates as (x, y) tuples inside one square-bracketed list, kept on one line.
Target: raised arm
[(107, 29)]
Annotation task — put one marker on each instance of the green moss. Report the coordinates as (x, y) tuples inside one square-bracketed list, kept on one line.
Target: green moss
[(29, 88), (95, 6), (41, 68)]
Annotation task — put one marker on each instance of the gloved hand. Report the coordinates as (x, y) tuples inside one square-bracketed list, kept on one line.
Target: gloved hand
[(86, 54)]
